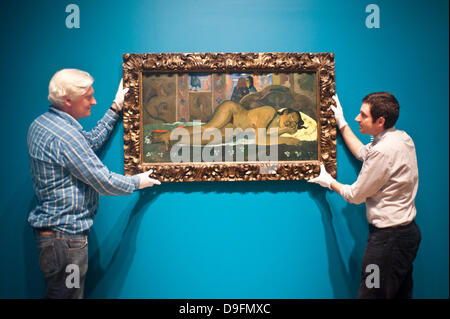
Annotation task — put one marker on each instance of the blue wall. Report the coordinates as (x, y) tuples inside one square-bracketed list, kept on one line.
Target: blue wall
[(228, 240)]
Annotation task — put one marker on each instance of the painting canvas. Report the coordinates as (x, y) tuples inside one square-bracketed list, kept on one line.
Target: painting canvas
[(200, 122), (172, 101)]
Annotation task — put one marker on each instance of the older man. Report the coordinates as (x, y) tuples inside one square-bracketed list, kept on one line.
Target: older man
[(68, 178), (387, 183)]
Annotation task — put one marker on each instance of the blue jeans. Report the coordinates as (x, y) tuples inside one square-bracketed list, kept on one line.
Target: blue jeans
[(63, 259), (393, 251)]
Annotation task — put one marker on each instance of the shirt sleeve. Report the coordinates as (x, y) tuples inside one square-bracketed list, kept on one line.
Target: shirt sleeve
[(100, 133), (362, 152), (84, 164), (374, 174)]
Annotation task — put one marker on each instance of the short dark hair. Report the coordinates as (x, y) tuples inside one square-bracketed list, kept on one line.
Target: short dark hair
[(383, 104)]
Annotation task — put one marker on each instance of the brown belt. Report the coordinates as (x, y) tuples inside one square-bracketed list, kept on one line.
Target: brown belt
[(46, 232)]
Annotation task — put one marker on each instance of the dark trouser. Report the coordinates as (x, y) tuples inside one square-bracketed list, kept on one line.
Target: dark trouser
[(387, 263), (63, 259)]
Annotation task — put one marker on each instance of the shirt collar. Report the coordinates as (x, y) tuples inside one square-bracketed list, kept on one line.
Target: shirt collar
[(66, 116), (380, 136)]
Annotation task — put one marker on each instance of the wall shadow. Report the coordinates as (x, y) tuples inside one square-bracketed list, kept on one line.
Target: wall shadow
[(108, 280), (355, 217), (340, 278)]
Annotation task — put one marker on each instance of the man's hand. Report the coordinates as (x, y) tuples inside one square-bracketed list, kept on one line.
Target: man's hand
[(146, 181), (120, 96), (324, 179), (338, 113)]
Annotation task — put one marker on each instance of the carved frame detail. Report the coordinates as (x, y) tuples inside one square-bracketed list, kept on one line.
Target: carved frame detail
[(135, 64)]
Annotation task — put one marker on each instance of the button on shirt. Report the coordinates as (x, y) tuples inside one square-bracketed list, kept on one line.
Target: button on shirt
[(388, 180), (67, 174)]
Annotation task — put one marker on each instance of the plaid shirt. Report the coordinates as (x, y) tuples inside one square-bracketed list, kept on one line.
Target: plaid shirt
[(67, 174)]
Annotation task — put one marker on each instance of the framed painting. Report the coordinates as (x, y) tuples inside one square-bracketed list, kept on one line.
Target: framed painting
[(229, 116)]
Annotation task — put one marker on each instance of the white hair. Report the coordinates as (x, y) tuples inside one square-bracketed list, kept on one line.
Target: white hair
[(68, 82)]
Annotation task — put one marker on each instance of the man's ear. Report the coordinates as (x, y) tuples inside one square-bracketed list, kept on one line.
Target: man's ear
[(67, 101), (380, 121)]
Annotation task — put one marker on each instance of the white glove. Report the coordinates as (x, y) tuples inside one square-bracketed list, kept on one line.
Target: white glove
[(146, 181), (338, 113), (324, 179), (120, 95)]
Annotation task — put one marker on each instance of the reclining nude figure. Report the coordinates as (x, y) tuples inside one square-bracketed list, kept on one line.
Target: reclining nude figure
[(232, 115)]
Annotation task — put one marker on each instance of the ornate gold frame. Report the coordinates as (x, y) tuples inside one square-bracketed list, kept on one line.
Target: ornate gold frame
[(135, 64)]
